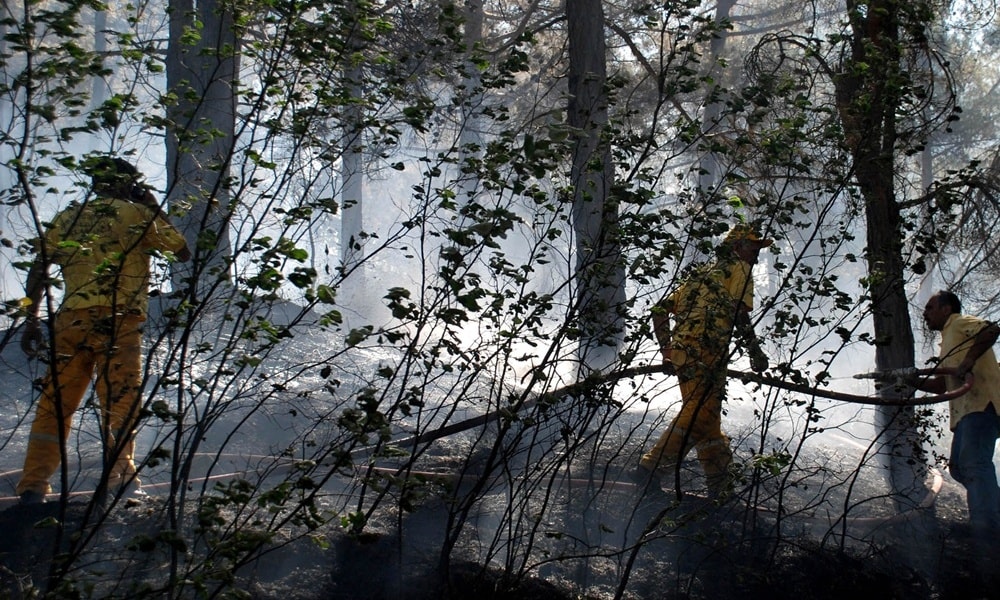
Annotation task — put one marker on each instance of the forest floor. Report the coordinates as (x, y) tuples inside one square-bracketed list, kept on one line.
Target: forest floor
[(690, 549), (930, 554)]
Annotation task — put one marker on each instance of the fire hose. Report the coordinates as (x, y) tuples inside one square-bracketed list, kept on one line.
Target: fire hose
[(899, 378), (899, 375)]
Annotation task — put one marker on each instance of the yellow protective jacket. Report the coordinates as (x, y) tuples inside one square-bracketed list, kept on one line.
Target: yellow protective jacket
[(704, 309), (103, 248)]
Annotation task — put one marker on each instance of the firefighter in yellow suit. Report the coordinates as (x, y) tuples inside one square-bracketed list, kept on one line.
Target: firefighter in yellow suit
[(709, 307), (103, 248)]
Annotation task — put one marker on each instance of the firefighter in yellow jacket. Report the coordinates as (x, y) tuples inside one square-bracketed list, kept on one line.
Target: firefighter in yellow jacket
[(710, 306), (102, 247)]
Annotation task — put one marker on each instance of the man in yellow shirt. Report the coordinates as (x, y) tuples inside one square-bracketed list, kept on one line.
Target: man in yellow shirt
[(103, 248), (967, 346), (709, 306)]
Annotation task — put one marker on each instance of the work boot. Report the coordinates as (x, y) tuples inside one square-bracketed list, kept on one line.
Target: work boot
[(722, 486), (122, 493), (646, 480), (134, 495), (31, 497), (131, 493)]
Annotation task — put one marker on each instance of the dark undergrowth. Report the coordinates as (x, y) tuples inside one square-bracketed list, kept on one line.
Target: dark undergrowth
[(951, 564)]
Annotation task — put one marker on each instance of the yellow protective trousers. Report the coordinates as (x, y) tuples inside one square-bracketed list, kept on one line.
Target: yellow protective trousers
[(90, 344), (698, 425)]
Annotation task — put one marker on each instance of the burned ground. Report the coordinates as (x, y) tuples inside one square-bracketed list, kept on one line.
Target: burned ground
[(719, 553), (545, 524)]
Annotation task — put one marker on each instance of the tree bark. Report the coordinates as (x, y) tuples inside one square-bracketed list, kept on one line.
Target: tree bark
[(868, 92), (709, 174), (200, 138), (601, 275), (470, 139)]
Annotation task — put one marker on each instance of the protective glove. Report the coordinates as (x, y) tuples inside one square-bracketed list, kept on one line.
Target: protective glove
[(758, 361), (668, 363), (32, 338)]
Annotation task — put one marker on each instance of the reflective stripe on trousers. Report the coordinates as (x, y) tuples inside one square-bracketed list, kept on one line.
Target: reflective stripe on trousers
[(698, 425), (90, 345)]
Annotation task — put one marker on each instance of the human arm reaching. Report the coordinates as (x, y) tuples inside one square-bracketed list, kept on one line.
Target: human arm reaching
[(977, 346), (982, 342), (661, 327), (32, 337), (144, 196), (748, 337)]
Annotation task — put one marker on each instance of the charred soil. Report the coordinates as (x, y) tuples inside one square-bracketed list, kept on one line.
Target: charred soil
[(931, 556)]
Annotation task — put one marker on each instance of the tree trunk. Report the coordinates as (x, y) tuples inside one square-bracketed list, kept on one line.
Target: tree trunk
[(470, 139), (600, 273), (99, 90), (868, 92), (200, 139), (709, 174), (352, 174)]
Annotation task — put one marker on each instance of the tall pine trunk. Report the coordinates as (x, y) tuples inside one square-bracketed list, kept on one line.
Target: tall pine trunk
[(599, 269), (201, 75), (869, 89)]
